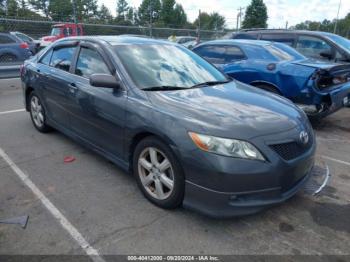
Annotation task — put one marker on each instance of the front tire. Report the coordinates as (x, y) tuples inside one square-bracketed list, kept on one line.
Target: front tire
[(37, 113), (158, 173)]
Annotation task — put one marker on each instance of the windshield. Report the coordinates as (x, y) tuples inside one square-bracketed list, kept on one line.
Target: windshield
[(343, 42), (56, 31), (155, 65)]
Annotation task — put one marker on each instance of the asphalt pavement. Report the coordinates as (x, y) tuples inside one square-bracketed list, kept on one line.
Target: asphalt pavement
[(105, 208)]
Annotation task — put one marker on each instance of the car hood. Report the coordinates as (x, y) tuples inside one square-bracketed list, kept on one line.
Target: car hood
[(229, 110)]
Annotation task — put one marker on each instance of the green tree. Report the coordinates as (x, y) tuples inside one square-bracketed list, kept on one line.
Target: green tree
[(60, 10), (12, 8), (147, 8), (180, 17), (213, 21), (255, 15), (40, 6), (103, 14), (122, 9), (86, 9)]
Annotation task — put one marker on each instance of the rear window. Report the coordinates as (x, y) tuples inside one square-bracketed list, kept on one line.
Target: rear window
[(62, 58), (220, 54)]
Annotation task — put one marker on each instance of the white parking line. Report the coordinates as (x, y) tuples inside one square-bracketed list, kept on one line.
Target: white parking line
[(336, 160), (12, 111), (89, 250)]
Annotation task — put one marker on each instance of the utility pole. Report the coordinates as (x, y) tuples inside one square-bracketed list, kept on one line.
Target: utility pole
[(286, 24), (150, 17), (6, 8), (199, 26), (239, 18), (336, 21), (75, 12)]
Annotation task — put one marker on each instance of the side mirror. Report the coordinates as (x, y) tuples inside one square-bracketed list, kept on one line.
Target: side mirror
[(104, 80), (327, 54)]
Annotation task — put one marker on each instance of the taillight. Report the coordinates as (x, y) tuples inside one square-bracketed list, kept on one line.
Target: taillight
[(24, 45)]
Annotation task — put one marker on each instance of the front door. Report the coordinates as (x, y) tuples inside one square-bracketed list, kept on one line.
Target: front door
[(98, 114)]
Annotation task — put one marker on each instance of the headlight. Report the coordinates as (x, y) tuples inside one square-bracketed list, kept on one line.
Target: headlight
[(226, 147)]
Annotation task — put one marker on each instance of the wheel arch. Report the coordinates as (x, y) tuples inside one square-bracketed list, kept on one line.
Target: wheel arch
[(142, 134), (258, 83), (28, 91)]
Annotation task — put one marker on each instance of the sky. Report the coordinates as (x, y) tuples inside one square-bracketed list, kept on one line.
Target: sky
[(279, 11)]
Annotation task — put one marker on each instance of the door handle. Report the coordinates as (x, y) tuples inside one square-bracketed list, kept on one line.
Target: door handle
[(73, 88)]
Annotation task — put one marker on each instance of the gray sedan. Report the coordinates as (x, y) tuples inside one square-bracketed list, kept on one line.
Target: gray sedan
[(190, 135)]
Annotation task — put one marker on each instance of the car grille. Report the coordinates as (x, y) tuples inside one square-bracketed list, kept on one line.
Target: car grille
[(291, 150)]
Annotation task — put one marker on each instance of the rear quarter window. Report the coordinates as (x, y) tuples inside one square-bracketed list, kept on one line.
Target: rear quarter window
[(46, 58)]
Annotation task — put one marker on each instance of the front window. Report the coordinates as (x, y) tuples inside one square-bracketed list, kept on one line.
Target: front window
[(313, 47), (155, 65), (343, 42), (285, 52), (90, 62), (56, 31)]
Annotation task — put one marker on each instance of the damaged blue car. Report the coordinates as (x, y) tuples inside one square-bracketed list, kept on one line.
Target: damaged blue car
[(319, 88)]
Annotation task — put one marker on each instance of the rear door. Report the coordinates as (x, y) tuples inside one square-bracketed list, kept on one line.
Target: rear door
[(56, 80), (98, 113)]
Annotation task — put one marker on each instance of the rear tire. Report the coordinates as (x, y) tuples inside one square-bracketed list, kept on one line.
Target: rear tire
[(158, 173), (37, 113)]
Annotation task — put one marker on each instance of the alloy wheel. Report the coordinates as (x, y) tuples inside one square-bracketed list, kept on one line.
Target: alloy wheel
[(37, 112), (156, 173)]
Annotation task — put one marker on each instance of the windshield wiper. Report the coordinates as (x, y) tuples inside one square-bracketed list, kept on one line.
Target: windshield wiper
[(212, 83), (163, 88)]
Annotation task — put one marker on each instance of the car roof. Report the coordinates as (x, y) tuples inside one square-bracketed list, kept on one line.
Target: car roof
[(283, 31), (239, 42), (118, 40)]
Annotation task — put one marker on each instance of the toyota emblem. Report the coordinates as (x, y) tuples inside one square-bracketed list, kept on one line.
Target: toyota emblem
[(304, 137)]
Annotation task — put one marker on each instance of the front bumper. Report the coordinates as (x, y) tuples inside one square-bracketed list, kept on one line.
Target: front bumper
[(226, 187), (225, 205)]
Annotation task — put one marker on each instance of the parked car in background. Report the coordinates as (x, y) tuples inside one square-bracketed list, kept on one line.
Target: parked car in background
[(34, 45), (187, 41), (13, 49), (61, 31), (312, 44), (319, 88), (189, 134)]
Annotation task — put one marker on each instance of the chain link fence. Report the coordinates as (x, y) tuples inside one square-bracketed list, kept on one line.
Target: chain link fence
[(38, 28)]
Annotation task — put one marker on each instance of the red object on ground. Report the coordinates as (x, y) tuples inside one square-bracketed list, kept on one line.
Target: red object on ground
[(69, 159)]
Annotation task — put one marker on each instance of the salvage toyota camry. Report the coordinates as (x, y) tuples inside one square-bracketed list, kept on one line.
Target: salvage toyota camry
[(190, 135)]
